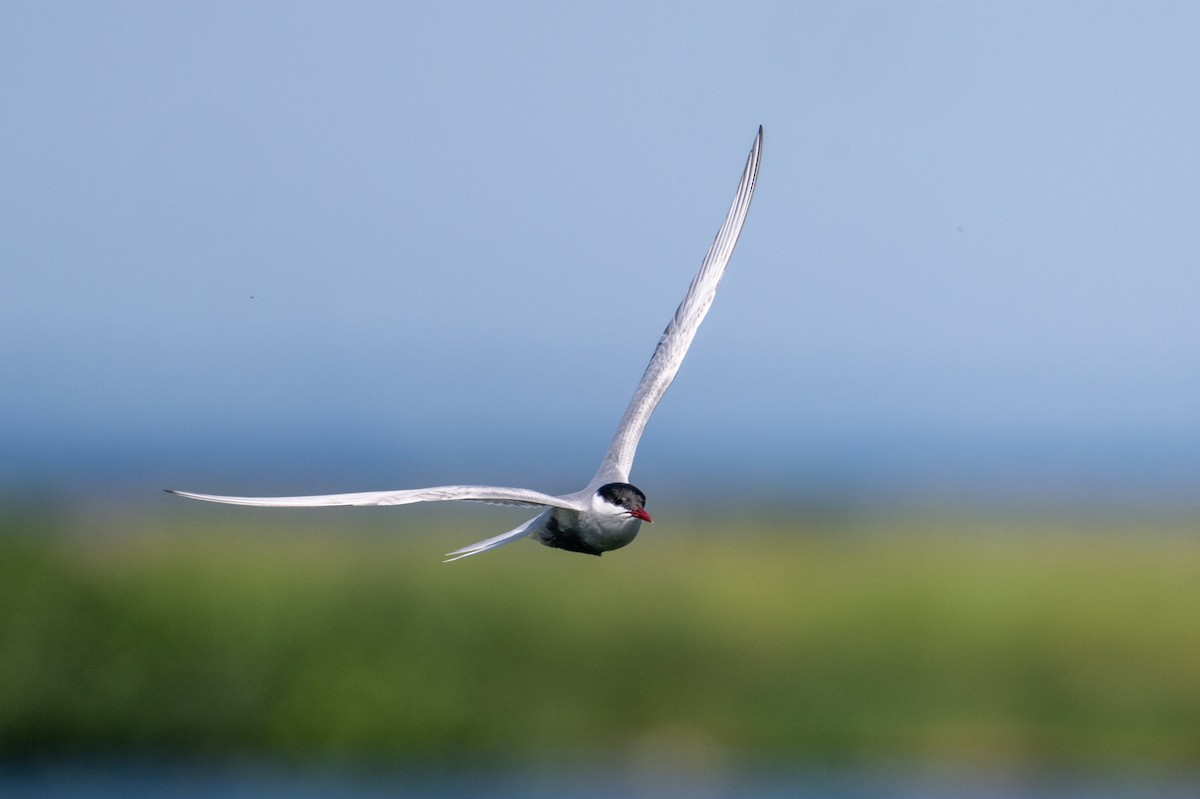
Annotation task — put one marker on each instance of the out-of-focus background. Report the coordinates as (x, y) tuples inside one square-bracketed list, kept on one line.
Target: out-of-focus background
[(926, 490)]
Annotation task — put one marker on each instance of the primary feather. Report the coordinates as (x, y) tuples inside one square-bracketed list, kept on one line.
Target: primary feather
[(680, 331), (493, 495)]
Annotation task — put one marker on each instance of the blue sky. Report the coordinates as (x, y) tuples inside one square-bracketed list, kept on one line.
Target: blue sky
[(255, 247)]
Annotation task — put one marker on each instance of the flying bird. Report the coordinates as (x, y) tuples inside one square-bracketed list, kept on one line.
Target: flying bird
[(609, 511)]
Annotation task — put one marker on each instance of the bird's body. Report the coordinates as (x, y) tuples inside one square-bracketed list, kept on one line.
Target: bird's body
[(608, 512), (612, 521)]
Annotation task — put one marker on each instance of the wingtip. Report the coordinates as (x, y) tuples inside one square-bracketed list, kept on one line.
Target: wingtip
[(756, 148)]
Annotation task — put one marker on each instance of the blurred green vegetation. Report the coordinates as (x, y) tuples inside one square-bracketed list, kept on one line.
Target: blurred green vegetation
[(342, 635)]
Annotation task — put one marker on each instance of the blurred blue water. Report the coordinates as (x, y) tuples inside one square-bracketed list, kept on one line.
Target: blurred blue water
[(132, 780), (1114, 473)]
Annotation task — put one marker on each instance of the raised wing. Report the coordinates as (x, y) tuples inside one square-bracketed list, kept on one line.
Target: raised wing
[(491, 494), (676, 339)]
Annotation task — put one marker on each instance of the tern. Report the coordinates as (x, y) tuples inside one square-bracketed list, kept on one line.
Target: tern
[(608, 512)]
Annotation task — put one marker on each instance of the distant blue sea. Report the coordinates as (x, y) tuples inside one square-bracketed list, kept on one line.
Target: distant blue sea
[(1139, 473)]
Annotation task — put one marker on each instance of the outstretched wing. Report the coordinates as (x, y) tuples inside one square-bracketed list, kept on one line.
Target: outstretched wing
[(491, 494), (676, 339)]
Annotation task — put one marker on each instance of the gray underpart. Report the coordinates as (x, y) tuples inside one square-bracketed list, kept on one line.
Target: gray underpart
[(553, 534)]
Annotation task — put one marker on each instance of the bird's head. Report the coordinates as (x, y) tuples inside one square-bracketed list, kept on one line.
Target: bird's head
[(623, 499)]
